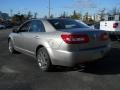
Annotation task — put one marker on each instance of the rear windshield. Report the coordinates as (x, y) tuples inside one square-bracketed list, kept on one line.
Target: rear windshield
[(66, 24)]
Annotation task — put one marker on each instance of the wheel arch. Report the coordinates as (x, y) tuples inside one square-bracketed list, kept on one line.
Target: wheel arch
[(10, 38), (38, 47), (49, 50)]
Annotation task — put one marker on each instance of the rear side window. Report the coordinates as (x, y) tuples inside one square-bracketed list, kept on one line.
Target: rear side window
[(36, 26), (66, 24)]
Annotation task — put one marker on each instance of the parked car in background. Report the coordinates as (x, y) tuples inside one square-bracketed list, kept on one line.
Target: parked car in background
[(2, 26), (112, 27), (97, 25), (59, 42), (8, 25), (81, 22), (91, 26)]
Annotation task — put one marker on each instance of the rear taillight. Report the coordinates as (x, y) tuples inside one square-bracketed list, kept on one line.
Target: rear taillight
[(104, 36), (115, 25), (75, 38)]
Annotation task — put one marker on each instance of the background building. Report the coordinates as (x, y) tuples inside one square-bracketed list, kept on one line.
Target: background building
[(4, 16)]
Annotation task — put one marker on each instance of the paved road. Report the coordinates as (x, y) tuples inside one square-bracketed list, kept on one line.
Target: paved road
[(20, 72)]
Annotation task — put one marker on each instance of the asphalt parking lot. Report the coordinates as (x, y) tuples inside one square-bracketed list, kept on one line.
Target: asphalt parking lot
[(20, 72)]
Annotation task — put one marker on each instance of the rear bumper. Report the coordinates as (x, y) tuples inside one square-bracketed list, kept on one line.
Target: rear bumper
[(66, 58)]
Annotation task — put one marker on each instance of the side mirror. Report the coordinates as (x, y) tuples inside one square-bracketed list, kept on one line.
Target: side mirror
[(15, 30)]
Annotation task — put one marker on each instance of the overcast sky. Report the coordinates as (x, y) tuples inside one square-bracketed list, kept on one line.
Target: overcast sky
[(57, 6)]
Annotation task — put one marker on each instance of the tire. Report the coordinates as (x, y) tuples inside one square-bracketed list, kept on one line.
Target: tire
[(11, 47), (43, 59)]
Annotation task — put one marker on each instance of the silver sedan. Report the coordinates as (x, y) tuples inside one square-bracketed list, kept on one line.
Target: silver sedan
[(59, 42)]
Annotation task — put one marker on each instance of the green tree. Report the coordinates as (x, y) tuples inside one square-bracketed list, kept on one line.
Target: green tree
[(64, 15), (29, 15), (76, 15), (85, 17), (35, 15), (115, 11), (88, 19), (18, 19), (102, 14)]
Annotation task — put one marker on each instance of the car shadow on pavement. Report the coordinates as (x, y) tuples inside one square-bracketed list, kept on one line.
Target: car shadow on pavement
[(23, 64), (109, 65), (65, 69)]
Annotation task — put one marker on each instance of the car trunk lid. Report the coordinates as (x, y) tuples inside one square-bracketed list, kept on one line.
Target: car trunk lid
[(93, 38)]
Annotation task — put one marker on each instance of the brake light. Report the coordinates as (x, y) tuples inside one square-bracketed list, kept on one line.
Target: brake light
[(104, 36), (75, 38), (115, 25)]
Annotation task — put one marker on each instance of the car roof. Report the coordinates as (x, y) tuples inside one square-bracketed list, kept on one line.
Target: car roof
[(42, 19)]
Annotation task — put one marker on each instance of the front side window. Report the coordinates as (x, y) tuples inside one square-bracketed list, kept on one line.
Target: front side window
[(24, 27), (36, 26), (66, 24)]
